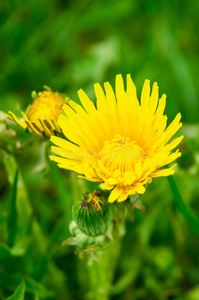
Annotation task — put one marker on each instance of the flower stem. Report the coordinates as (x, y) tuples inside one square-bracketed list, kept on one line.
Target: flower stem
[(100, 266), (99, 278), (101, 272)]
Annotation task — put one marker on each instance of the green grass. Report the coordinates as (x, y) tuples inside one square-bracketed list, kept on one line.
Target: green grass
[(69, 45)]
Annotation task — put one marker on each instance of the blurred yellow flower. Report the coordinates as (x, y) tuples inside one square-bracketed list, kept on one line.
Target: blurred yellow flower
[(42, 114), (122, 143)]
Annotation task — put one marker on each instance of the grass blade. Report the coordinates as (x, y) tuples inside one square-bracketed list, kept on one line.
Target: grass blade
[(191, 219), (19, 293), (12, 217)]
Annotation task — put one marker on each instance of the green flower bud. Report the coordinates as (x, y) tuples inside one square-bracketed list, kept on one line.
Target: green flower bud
[(92, 214)]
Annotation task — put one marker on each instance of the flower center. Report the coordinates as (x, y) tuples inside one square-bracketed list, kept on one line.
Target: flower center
[(47, 106), (121, 153)]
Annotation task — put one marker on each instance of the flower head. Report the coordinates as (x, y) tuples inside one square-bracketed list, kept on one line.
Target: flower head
[(123, 143), (42, 114)]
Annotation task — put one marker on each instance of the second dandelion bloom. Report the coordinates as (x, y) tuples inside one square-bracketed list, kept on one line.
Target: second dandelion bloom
[(121, 143), (42, 114)]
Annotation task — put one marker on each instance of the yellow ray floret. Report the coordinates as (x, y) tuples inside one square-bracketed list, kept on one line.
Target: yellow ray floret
[(42, 115), (121, 143)]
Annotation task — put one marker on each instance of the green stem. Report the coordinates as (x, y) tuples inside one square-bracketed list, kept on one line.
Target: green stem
[(98, 278), (100, 271), (191, 219)]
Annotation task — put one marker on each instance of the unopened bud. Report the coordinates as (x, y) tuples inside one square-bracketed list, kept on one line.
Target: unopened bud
[(92, 214)]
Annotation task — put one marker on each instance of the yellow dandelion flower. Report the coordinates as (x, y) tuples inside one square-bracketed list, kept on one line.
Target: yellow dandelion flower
[(42, 114), (123, 143)]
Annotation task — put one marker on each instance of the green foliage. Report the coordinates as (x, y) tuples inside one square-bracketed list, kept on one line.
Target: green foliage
[(191, 219), (12, 217), (19, 293), (70, 45)]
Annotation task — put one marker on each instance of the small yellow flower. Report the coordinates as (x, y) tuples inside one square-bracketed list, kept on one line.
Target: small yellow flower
[(42, 114), (123, 143)]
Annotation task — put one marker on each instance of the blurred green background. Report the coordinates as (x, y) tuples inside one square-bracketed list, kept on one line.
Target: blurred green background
[(69, 45)]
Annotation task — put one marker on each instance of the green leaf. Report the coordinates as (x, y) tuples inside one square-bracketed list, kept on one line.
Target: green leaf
[(61, 224), (193, 293), (12, 217), (32, 286), (4, 251), (64, 195), (23, 206), (21, 246), (19, 293), (191, 219), (36, 297)]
